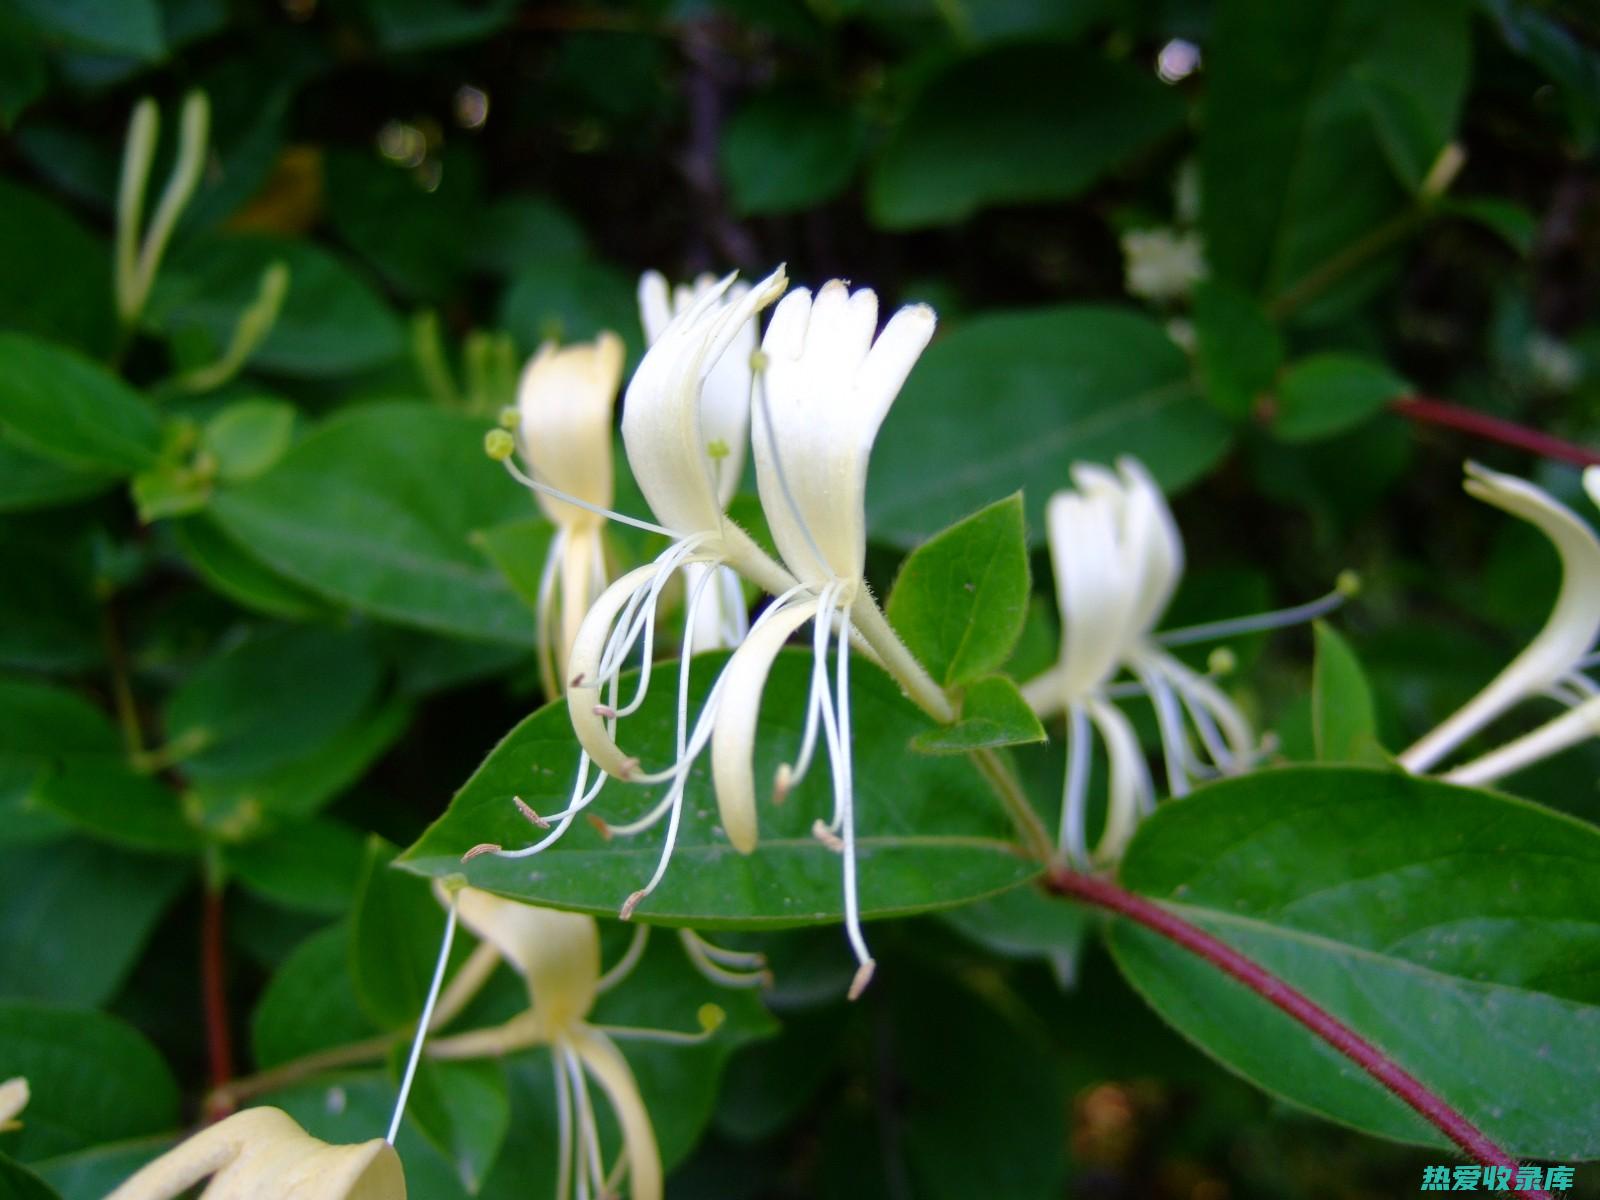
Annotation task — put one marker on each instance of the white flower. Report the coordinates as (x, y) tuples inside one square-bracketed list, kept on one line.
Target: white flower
[(1552, 664), (824, 387), (1117, 557), (565, 401), (558, 954), (1163, 264), (262, 1154), (721, 619)]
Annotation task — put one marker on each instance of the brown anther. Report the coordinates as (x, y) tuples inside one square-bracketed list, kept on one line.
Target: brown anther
[(863, 977), (600, 827), (480, 848), (830, 839), (604, 710), (577, 680), (628, 905), (782, 781), (526, 810)]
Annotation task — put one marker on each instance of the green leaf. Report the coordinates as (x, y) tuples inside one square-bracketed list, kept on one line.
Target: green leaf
[(114, 27), (993, 713), (312, 865), (1018, 124), (242, 577), (1452, 928), (93, 1079), (38, 725), (404, 25), (463, 1108), (57, 403), (273, 698), (518, 548), (1014, 399), (96, 1172), (332, 321), (19, 1183), (522, 228), (301, 787), (376, 509), (77, 918), (310, 1003), (1026, 923), (394, 939), (28, 481), (1328, 394), (24, 72), (1344, 723), (1511, 222), (1289, 123), (107, 799), (1240, 349), (786, 151), (567, 301), (929, 832), (247, 437), (68, 269), (384, 212), (961, 597)]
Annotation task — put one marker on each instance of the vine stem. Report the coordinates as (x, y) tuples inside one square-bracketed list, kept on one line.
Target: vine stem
[(214, 994), (1428, 411), (1102, 893)]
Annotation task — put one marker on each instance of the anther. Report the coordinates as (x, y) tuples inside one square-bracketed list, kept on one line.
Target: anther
[(782, 781), (605, 710), (481, 848), (499, 445), (830, 839), (526, 810), (600, 826), (862, 978), (1348, 584), (1222, 661), (631, 903)]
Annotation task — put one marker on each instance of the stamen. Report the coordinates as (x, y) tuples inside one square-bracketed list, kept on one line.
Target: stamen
[(711, 1019), (588, 1128), (693, 942), (629, 960), (528, 481), (1175, 749), (565, 1131), (481, 848), (825, 835), (581, 799), (1259, 622), (424, 1021), (526, 810), (789, 776), (844, 788), (1073, 837)]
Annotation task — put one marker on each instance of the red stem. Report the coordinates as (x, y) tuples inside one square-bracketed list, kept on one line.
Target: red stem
[(1407, 1087), (1428, 411), (214, 996)]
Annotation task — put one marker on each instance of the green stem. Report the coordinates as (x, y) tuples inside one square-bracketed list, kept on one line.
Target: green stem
[(1308, 287)]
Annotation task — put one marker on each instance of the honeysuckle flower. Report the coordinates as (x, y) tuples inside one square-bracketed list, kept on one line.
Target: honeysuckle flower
[(262, 1154), (721, 619), (1163, 264), (676, 455), (13, 1099), (1551, 664), (1117, 556), (565, 401), (558, 954), (824, 387)]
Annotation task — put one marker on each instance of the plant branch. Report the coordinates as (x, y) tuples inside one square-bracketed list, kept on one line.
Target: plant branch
[(214, 993), (1427, 411), (1102, 893)]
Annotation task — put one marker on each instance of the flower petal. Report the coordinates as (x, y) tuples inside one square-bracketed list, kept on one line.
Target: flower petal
[(738, 707), (558, 953), (605, 1062), (1568, 633), (1090, 591), (1130, 790), (583, 690), (565, 400)]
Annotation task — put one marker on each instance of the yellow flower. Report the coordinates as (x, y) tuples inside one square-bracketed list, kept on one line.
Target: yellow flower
[(565, 402), (262, 1154)]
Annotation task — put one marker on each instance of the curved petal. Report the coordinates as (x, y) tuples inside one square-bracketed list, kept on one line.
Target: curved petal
[(558, 953), (824, 393), (738, 707), (605, 1062), (663, 424), (565, 401), (1568, 633), (1130, 790), (1159, 542), (1089, 591), (262, 1154), (583, 692)]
